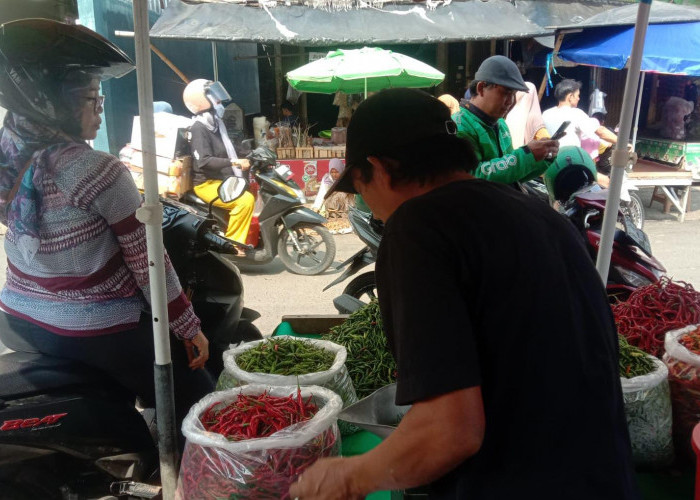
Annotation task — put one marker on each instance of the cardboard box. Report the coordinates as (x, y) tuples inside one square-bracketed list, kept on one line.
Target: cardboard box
[(171, 134), (174, 179)]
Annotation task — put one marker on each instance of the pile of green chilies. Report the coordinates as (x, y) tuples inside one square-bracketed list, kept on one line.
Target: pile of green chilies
[(633, 361), (285, 356), (370, 364)]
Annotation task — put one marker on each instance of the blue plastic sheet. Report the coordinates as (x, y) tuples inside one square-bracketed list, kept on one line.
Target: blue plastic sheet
[(672, 48)]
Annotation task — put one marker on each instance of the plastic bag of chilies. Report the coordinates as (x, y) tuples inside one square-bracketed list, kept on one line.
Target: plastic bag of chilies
[(214, 467)]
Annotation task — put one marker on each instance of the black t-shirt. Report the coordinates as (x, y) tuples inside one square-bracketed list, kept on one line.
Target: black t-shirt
[(480, 285)]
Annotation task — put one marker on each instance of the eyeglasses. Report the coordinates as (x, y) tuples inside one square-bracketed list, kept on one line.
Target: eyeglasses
[(98, 102)]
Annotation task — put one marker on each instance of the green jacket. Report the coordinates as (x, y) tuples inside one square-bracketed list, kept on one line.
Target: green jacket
[(503, 164)]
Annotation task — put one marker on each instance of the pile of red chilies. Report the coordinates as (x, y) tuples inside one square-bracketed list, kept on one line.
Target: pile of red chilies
[(684, 381), (257, 416), (655, 309), (691, 341), (213, 473)]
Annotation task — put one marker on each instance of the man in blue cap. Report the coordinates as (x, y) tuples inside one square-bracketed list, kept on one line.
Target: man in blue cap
[(480, 122)]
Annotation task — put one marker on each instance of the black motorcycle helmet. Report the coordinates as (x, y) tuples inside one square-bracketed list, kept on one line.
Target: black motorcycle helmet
[(42, 60)]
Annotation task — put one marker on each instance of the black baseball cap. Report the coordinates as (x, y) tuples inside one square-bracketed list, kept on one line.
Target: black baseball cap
[(388, 122)]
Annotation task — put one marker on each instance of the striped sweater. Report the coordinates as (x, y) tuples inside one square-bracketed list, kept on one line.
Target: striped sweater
[(90, 274)]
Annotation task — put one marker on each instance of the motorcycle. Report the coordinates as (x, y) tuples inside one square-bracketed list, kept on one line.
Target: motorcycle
[(282, 225), (364, 286), (69, 432), (632, 264)]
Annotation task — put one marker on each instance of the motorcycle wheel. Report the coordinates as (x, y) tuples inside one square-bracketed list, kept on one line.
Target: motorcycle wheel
[(634, 209), (247, 331), (363, 288), (317, 249)]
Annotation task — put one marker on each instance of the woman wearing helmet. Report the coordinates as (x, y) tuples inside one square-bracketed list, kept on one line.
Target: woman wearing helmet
[(77, 276), (215, 158)]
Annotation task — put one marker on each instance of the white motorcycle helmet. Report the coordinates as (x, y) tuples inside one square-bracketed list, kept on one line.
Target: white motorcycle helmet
[(203, 95)]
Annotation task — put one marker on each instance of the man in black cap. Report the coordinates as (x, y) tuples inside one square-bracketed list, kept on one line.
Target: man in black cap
[(504, 341), (481, 122)]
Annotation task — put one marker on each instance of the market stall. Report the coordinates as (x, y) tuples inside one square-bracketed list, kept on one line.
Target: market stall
[(605, 41)]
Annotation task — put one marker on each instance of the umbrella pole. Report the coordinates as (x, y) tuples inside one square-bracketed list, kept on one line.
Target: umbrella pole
[(151, 214), (365, 88), (620, 155)]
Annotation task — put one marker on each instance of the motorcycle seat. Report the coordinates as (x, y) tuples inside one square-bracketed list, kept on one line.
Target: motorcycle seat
[(24, 374), (191, 197)]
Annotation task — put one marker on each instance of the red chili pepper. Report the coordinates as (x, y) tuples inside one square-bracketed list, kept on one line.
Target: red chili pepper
[(651, 311)]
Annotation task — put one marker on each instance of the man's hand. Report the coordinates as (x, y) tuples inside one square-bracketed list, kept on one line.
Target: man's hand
[(544, 149), (327, 479), (202, 344), (432, 439), (244, 163)]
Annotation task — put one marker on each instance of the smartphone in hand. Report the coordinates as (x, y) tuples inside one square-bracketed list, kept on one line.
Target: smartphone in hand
[(561, 131)]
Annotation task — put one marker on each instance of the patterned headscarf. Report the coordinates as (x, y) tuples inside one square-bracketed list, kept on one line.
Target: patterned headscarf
[(22, 141)]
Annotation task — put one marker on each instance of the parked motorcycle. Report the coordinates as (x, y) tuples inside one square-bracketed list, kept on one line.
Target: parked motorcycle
[(632, 263), (581, 200), (69, 432), (369, 230), (283, 226), (570, 181)]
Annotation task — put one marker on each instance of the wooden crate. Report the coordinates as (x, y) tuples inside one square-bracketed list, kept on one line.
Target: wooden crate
[(286, 153), (305, 152), (338, 151), (329, 151)]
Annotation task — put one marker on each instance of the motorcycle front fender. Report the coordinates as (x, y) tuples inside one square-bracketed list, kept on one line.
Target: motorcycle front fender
[(302, 214), (361, 259)]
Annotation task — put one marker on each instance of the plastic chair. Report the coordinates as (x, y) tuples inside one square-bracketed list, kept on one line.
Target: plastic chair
[(695, 442)]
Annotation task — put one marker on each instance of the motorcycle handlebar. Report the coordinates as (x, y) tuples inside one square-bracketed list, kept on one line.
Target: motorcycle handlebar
[(221, 245)]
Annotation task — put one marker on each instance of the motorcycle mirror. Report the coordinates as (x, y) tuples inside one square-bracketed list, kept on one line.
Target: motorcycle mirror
[(284, 171), (232, 188)]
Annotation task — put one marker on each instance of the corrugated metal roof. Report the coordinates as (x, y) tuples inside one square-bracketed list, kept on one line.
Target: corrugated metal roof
[(393, 23), (660, 13)]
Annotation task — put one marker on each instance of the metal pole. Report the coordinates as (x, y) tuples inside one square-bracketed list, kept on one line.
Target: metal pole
[(620, 155), (639, 108), (151, 214), (215, 60)]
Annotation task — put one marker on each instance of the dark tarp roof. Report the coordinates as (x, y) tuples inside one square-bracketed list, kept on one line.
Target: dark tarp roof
[(305, 26), (660, 13)]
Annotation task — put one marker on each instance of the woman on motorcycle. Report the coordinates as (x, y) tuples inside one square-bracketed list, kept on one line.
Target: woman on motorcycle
[(215, 158), (77, 278)]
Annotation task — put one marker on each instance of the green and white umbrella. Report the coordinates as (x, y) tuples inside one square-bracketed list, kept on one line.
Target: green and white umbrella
[(363, 70)]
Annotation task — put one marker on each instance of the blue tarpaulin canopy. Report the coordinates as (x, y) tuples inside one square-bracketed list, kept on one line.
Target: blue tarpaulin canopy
[(672, 48)]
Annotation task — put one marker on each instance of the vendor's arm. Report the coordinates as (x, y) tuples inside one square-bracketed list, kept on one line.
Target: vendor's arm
[(100, 183), (605, 134), (434, 437), (212, 166)]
